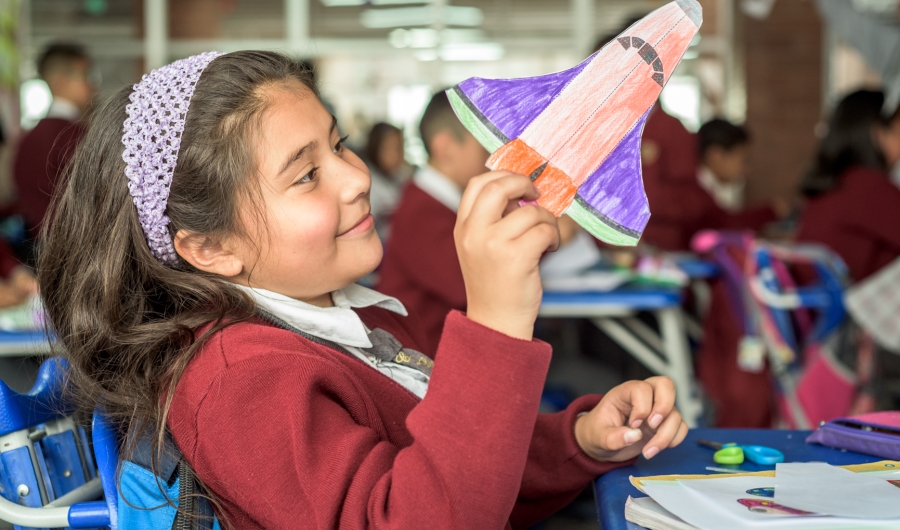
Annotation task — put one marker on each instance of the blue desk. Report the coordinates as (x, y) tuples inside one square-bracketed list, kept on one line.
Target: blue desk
[(612, 489), (696, 268), (23, 343), (664, 352)]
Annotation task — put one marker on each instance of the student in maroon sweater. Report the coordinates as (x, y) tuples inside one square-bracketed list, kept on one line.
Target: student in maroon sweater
[(300, 399), (42, 154), (853, 206), (420, 265)]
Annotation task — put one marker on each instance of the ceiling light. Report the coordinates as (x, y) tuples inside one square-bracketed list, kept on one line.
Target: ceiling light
[(483, 51), (421, 16)]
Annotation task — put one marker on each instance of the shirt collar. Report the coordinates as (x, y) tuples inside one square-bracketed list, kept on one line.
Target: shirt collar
[(63, 108), (339, 324), (728, 195), (439, 186)]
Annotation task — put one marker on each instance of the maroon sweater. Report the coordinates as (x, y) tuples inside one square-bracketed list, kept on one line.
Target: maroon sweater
[(859, 219), (41, 157), (289, 433), (420, 265), (679, 207)]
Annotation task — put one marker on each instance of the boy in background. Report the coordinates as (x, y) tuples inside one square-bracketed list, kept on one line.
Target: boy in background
[(723, 158), (44, 151), (420, 265)]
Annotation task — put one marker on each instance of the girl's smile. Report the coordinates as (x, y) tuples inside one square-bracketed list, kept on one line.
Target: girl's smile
[(365, 225)]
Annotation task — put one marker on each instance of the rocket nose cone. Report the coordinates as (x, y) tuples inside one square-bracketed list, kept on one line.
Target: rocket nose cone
[(693, 10)]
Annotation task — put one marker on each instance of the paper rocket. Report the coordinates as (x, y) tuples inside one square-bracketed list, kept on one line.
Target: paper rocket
[(577, 133)]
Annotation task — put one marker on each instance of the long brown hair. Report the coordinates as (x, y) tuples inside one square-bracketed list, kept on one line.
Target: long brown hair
[(127, 324)]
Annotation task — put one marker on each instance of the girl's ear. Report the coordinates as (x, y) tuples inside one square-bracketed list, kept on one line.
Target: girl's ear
[(208, 254)]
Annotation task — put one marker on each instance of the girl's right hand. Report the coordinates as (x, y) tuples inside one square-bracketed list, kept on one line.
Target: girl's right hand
[(500, 244)]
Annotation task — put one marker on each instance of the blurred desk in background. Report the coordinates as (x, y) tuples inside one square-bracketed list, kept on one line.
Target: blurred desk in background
[(24, 343), (664, 353)]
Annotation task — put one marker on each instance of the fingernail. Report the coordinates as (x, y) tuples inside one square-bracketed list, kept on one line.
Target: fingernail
[(636, 423), (650, 452), (655, 420), (632, 436)]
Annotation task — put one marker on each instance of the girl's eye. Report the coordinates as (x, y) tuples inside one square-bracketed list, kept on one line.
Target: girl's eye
[(309, 177), (339, 146)]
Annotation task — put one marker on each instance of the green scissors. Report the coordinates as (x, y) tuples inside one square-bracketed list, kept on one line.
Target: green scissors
[(732, 453)]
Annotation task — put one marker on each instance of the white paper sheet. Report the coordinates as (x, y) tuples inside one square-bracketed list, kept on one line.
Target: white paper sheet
[(830, 490), (724, 512)]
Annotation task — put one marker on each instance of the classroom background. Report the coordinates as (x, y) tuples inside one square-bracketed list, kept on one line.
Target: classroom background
[(737, 307)]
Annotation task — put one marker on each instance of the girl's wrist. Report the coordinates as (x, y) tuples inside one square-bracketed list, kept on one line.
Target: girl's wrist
[(508, 326)]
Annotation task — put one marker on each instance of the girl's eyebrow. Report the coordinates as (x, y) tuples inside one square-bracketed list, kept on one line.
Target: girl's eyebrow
[(306, 148)]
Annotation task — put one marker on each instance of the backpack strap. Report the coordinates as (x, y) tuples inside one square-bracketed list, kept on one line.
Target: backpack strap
[(194, 509)]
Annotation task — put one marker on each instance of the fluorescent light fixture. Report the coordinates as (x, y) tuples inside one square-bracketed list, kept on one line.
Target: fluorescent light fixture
[(429, 38), (343, 3), (414, 38), (482, 51), (426, 55), (421, 16)]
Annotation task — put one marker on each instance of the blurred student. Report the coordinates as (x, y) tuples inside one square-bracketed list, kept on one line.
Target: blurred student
[(387, 164), (420, 265), (853, 207), (723, 158), (43, 152)]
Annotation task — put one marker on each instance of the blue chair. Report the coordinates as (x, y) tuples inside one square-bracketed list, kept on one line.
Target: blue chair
[(48, 476)]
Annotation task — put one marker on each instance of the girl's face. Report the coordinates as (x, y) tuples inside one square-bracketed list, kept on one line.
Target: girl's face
[(317, 235), (888, 139)]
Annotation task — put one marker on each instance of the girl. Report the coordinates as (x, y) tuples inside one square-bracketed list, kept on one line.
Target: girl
[(854, 207), (200, 270), (384, 155)]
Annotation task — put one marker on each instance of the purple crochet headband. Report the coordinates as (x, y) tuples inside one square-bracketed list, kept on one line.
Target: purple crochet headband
[(152, 138)]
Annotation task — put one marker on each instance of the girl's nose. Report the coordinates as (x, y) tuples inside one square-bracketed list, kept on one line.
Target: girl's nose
[(355, 182)]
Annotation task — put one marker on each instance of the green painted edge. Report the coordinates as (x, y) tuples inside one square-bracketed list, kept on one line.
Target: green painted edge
[(473, 124), (598, 228)]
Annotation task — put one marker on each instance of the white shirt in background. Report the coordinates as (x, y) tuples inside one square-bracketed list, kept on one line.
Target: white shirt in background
[(728, 195), (439, 186), (64, 109)]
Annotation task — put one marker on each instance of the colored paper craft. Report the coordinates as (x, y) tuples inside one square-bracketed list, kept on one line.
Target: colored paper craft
[(577, 133)]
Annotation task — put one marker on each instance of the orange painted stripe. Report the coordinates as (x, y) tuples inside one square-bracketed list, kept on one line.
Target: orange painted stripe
[(557, 190), (517, 157)]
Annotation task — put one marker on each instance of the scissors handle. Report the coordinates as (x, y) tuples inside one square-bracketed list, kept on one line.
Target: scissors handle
[(760, 454)]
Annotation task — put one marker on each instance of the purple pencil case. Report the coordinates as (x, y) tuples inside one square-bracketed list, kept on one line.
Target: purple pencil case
[(876, 433)]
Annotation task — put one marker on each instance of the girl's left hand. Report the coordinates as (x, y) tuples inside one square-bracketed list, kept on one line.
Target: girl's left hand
[(637, 417)]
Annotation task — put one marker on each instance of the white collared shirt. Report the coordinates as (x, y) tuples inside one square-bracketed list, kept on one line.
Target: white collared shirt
[(341, 325), (63, 109), (728, 195), (439, 186)]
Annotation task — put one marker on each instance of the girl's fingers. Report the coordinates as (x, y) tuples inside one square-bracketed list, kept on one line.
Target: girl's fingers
[(522, 219), (682, 433), (620, 438), (663, 400), (634, 400), (487, 196), (667, 432)]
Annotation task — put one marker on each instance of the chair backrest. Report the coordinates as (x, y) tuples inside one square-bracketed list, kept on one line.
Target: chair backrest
[(47, 468)]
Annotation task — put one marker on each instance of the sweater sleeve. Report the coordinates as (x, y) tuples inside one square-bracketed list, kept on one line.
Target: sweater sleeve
[(877, 203), (314, 452), (557, 469)]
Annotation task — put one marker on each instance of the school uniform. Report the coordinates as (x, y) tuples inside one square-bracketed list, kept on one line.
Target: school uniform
[(290, 428), (679, 206), (41, 157), (858, 219), (420, 265)]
